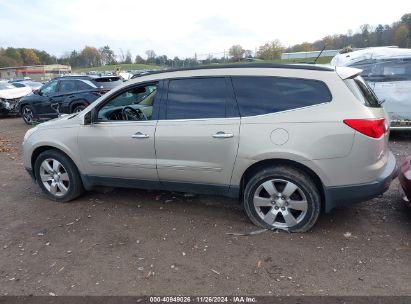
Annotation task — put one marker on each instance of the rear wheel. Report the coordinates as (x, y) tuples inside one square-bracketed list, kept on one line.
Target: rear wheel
[(58, 176), (78, 108), (27, 114), (282, 197)]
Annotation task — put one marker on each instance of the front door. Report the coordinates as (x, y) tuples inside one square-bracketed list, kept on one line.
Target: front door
[(197, 137), (120, 143)]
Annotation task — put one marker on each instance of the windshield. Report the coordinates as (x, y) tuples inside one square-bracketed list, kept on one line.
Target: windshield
[(363, 92), (5, 86)]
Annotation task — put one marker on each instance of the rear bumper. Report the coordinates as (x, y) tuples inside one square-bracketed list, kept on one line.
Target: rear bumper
[(31, 173), (345, 195)]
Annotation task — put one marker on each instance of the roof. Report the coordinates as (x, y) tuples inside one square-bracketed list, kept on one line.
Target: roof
[(312, 67), (374, 53)]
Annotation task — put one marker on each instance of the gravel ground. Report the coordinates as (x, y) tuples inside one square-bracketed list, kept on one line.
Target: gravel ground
[(136, 242)]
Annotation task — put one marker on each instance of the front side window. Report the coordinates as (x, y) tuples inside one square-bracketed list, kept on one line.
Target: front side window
[(49, 88), (196, 98), (136, 103), (67, 86), (262, 95)]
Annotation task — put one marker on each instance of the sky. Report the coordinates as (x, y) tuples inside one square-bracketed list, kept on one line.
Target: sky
[(180, 27)]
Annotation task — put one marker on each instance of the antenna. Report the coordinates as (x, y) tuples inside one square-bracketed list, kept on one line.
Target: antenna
[(315, 61)]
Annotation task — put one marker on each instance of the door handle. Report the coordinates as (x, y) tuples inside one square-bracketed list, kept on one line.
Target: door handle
[(139, 135), (222, 134)]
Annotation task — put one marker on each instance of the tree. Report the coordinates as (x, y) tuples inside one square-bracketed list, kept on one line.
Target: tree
[(107, 55), (365, 33), (14, 54), (270, 51), (236, 52), (406, 19), (128, 59), (401, 35), (139, 60), (30, 57), (303, 47), (151, 55), (378, 32), (90, 57)]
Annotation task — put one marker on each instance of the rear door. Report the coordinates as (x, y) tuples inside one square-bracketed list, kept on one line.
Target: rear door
[(197, 135)]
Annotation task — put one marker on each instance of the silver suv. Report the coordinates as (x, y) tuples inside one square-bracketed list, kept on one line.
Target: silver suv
[(288, 140)]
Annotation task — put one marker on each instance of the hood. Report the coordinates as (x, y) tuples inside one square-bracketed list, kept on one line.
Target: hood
[(14, 93)]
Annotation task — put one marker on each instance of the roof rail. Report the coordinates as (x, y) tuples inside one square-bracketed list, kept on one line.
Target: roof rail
[(241, 66)]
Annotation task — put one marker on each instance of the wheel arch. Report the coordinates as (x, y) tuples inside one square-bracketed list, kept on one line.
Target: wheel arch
[(37, 151), (254, 168)]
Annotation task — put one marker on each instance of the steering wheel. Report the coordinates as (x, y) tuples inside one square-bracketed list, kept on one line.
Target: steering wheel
[(129, 113)]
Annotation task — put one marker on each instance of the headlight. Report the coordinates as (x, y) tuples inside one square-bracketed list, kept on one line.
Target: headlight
[(29, 133)]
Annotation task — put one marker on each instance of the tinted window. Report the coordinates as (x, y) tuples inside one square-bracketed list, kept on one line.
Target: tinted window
[(84, 85), (262, 95), (196, 98), (363, 92), (67, 85), (385, 70)]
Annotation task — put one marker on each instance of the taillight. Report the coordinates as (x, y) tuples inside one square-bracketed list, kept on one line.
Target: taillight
[(374, 128)]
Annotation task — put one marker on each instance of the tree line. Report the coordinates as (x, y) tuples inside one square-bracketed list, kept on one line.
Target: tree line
[(398, 33)]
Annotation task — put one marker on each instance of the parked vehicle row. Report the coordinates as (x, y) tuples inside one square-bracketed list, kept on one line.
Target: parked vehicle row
[(68, 94), (288, 140)]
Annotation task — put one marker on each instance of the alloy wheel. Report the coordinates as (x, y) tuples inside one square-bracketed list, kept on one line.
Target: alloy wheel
[(280, 203), (54, 177)]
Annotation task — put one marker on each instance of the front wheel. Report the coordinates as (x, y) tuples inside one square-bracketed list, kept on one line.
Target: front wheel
[(27, 114), (58, 176), (282, 198)]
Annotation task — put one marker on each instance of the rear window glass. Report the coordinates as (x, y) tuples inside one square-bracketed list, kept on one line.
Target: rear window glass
[(363, 92), (107, 82), (385, 70), (262, 95)]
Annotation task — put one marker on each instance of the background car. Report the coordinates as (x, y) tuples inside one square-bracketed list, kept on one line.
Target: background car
[(388, 72), (71, 93), (10, 96), (28, 83)]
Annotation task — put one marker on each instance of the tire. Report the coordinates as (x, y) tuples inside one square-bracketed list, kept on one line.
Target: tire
[(78, 108), (282, 198), (27, 114), (58, 176)]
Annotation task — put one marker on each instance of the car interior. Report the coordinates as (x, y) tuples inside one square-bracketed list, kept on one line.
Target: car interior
[(135, 104)]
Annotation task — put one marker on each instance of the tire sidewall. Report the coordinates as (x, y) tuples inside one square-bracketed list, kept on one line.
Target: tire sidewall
[(309, 190), (68, 166)]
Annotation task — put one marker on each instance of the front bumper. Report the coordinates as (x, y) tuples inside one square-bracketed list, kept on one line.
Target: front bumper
[(345, 195)]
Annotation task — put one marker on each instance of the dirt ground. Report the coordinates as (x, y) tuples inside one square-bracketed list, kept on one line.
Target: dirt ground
[(135, 242)]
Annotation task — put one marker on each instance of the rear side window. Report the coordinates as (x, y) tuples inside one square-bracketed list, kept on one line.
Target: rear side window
[(262, 95), (363, 92), (196, 98), (84, 85)]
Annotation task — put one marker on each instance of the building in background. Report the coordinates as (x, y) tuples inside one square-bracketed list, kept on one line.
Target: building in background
[(39, 73)]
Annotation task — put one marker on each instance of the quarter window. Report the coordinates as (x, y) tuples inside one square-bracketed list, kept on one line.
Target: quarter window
[(263, 95), (197, 98)]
